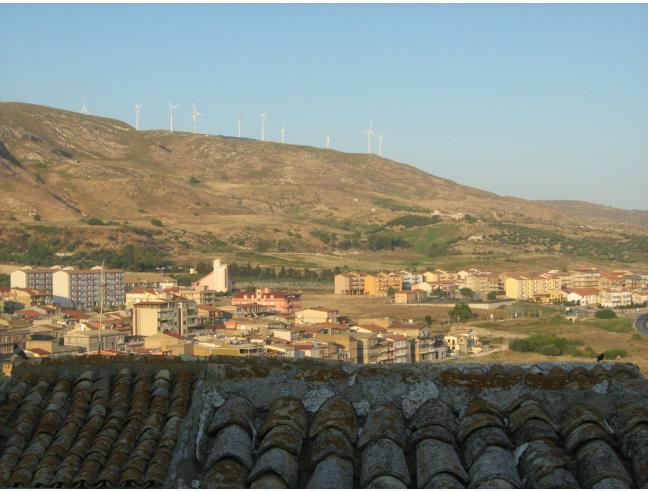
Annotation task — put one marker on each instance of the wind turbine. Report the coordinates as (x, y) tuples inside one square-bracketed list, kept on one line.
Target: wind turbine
[(84, 108), (328, 142), (194, 117), (381, 138), (370, 135), (138, 108), (263, 118), (283, 134), (172, 108), (238, 127)]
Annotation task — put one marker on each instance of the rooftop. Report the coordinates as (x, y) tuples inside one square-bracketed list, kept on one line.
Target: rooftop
[(160, 421)]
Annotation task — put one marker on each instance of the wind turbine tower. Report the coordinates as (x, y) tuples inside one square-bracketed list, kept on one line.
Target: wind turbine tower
[(84, 108), (172, 108), (264, 117), (138, 110), (381, 138), (370, 135), (328, 142), (194, 117), (238, 127), (283, 134)]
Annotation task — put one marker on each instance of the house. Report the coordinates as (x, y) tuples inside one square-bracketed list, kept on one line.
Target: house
[(400, 348), (414, 296), (217, 280), (142, 294), (410, 278), (640, 297), (13, 331), (154, 317), (316, 315), (424, 286), (588, 296)]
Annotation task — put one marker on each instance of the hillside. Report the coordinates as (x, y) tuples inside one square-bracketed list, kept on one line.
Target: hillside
[(268, 202)]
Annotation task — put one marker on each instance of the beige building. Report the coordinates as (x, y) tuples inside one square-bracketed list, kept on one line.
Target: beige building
[(528, 287), (380, 284), (615, 297), (314, 315), (583, 279), (154, 317), (89, 339), (34, 278), (414, 296), (217, 280), (28, 297), (350, 284)]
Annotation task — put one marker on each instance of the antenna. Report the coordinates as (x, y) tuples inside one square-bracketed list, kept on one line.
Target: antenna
[(84, 108), (172, 108), (138, 108), (102, 295), (381, 138), (370, 135), (283, 134), (238, 127), (263, 118), (194, 117)]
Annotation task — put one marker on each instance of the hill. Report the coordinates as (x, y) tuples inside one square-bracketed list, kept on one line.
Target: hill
[(99, 185)]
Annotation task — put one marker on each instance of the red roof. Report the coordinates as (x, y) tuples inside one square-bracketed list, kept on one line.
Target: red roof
[(174, 335), (39, 351), (586, 291), (141, 290)]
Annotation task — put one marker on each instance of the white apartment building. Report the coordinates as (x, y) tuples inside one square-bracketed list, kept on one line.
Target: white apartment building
[(615, 297), (34, 278), (70, 286), (82, 288)]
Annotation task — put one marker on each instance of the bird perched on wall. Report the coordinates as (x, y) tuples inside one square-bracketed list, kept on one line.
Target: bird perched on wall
[(19, 351), (600, 357)]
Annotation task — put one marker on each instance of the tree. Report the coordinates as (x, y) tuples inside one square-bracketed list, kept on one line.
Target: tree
[(428, 321), (156, 222), (36, 217), (467, 293), (461, 311), (491, 296)]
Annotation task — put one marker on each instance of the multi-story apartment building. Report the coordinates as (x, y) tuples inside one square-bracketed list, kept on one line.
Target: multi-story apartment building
[(379, 284), (350, 284), (400, 351), (279, 301), (528, 287), (584, 278), (615, 297), (82, 288), (34, 278), (153, 317), (483, 283)]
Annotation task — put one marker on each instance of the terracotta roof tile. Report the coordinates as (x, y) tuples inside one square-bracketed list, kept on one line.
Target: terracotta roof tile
[(130, 421)]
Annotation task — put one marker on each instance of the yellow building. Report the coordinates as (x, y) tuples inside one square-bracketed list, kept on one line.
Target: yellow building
[(528, 287), (379, 284)]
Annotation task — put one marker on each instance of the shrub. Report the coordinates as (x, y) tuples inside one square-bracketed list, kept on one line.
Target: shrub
[(605, 314), (412, 221), (94, 221), (549, 345), (612, 354), (36, 217), (193, 181), (491, 296), (156, 222)]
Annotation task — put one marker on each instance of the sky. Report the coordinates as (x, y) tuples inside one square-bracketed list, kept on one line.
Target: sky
[(534, 101)]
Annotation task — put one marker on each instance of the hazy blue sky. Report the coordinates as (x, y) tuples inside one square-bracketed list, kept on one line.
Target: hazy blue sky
[(536, 101)]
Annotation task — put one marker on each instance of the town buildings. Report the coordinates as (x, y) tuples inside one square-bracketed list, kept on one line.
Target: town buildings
[(218, 280), (279, 301)]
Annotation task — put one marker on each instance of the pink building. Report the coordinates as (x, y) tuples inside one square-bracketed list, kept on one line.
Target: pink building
[(279, 301)]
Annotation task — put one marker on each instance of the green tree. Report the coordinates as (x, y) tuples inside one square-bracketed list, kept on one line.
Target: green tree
[(193, 181), (94, 221), (36, 217), (156, 222), (467, 293), (4, 280), (491, 296), (428, 321), (460, 311)]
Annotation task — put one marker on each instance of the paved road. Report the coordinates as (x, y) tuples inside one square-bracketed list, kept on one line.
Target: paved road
[(641, 324)]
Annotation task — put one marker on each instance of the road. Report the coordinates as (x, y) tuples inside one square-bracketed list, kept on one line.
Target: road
[(641, 324)]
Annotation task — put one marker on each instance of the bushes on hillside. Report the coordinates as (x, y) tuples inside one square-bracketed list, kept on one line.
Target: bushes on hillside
[(550, 345), (605, 314), (94, 221), (461, 311), (413, 221), (156, 222)]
